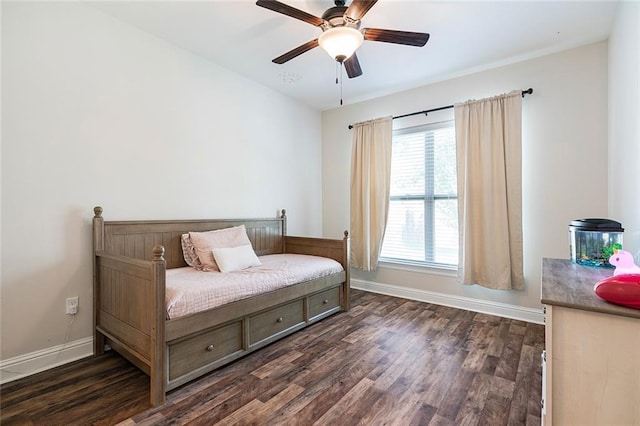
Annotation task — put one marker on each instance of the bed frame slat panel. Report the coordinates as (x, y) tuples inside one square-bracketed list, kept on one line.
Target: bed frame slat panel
[(125, 296), (265, 240), (136, 239), (301, 245), (130, 336)]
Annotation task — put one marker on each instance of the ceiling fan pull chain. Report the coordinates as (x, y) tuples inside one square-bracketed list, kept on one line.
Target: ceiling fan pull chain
[(341, 80)]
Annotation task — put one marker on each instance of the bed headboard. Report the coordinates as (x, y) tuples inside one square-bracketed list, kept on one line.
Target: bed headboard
[(136, 238)]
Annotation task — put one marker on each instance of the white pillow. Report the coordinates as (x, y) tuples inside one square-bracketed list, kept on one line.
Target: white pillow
[(235, 258)]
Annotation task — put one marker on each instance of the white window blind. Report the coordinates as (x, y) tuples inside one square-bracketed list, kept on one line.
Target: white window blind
[(423, 206)]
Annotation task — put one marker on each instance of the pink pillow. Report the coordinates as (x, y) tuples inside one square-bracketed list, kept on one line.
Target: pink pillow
[(205, 242), (189, 252)]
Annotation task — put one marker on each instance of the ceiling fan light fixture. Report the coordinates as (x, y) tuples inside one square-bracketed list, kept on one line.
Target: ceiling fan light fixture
[(340, 42)]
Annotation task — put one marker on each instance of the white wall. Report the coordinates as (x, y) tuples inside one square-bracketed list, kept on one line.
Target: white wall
[(95, 112), (564, 159), (624, 124)]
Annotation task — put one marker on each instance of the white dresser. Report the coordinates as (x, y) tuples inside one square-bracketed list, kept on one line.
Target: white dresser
[(592, 348)]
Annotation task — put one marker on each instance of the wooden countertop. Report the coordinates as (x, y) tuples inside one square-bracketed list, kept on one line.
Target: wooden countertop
[(570, 285)]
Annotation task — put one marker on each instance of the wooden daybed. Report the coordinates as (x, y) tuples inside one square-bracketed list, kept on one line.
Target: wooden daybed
[(130, 261)]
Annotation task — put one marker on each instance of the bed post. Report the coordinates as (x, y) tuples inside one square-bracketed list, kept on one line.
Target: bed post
[(98, 245), (346, 246), (157, 342), (283, 216)]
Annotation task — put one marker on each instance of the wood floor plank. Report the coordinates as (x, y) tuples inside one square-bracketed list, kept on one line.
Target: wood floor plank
[(404, 408), (495, 411), (406, 388), (441, 377), (278, 364), (423, 415), (510, 357), (388, 361), (456, 394), (441, 421), (352, 404), (473, 404), (520, 398)]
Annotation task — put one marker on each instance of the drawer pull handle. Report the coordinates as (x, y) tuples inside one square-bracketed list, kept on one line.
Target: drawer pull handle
[(325, 301), (210, 348), (280, 319)]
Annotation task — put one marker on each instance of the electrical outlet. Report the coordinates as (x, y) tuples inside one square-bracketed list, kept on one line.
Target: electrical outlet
[(72, 305)]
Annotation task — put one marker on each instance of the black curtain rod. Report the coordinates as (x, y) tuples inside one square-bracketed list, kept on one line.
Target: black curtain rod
[(426, 112)]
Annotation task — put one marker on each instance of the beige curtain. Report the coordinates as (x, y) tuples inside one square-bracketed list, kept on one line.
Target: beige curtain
[(489, 158), (370, 182)]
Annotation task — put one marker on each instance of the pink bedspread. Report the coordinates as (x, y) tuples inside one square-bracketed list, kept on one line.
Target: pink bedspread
[(190, 291)]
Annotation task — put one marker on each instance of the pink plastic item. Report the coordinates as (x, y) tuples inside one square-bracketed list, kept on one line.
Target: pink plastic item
[(623, 261), (623, 288), (620, 289)]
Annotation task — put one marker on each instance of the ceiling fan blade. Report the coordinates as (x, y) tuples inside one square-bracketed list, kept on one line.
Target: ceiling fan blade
[(295, 52), (285, 9), (352, 65), (398, 37), (358, 8)]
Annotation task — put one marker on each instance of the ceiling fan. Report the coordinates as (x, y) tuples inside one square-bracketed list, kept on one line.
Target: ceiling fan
[(341, 33)]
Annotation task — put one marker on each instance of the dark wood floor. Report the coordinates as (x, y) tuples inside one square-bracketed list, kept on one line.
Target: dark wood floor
[(388, 361)]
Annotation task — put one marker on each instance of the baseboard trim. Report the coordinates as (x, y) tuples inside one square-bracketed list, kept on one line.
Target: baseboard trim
[(476, 305), (45, 359)]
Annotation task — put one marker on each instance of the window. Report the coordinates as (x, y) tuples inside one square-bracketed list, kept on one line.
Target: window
[(423, 206)]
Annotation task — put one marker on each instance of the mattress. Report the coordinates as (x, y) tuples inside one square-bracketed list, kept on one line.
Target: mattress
[(189, 291)]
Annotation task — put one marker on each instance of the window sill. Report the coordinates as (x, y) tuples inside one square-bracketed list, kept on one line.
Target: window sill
[(424, 268)]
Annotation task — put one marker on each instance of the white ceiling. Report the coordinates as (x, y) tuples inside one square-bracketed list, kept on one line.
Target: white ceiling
[(466, 36)]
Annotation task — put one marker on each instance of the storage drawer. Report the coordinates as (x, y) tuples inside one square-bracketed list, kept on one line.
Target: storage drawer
[(203, 349), (323, 302), (276, 320)]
